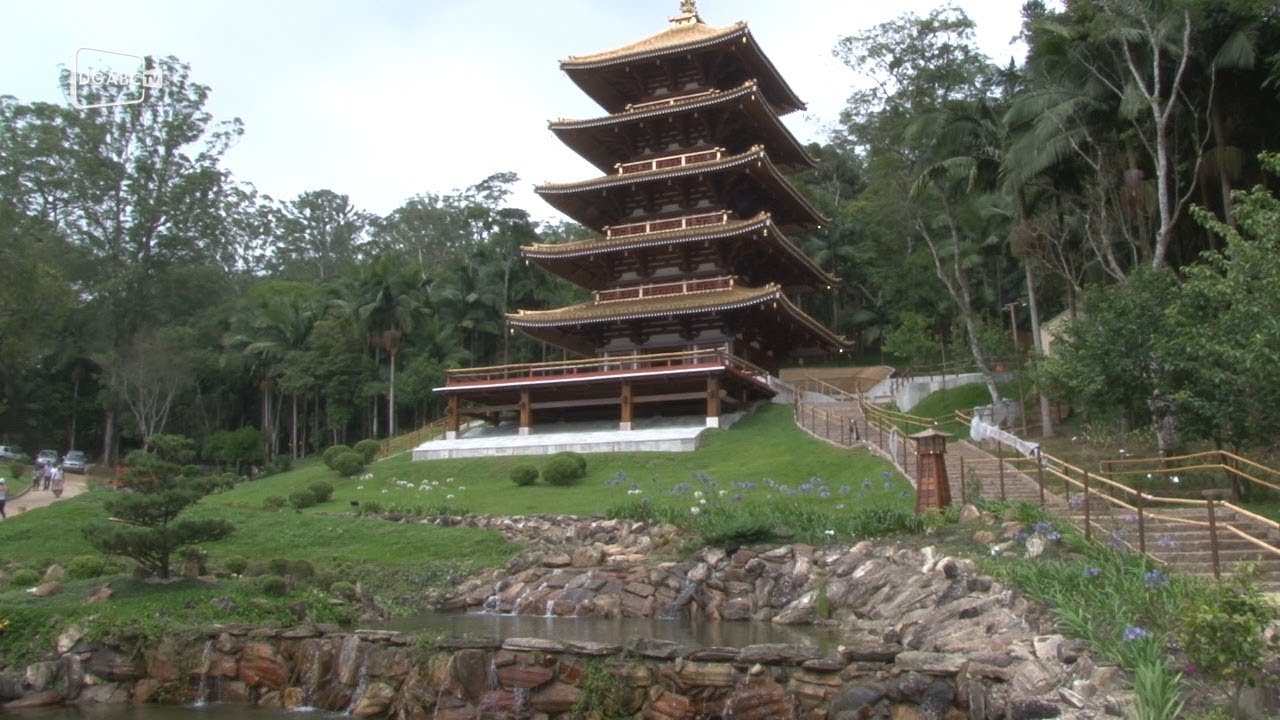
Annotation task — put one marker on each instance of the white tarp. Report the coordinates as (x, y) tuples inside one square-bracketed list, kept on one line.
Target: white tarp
[(979, 431)]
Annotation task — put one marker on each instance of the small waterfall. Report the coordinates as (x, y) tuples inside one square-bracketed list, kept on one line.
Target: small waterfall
[(672, 610), (202, 688), (362, 685), (551, 608)]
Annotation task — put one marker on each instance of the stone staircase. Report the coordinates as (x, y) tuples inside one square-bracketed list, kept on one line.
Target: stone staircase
[(1177, 537)]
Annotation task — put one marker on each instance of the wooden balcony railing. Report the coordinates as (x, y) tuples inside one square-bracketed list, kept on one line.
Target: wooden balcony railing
[(629, 363), (670, 161), (684, 222), (668, 101), (682, 287)]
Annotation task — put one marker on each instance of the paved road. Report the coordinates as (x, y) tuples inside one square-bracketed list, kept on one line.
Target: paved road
[(72, 485)]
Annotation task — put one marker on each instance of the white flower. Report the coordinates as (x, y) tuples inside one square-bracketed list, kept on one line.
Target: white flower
[(462, 487), (1175, 479), (829, 533), (695, 510), (359, 487), (723, 493), (697, 493), (448, 497), (448, 480), (702, 501), (384, 491)]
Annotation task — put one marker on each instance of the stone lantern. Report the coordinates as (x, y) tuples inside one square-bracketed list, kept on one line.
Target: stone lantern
[(933, 490)]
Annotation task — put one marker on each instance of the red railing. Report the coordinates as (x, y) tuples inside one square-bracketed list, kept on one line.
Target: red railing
[(569, 368), (670, 161), (654, 226), (682, 287)]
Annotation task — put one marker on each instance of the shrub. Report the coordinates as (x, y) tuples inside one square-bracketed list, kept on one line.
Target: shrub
[(372, 507), (282, 463), (578, 458), (17, 471), (301, 569), (24, 577), (84, 567), (369, 449), (331, 454), (236, 564), (349, 464), (563, 469), (300, 499), (256, 568), (273, 585), (273, 502), (524, 475), (322, 489), (343, 589)]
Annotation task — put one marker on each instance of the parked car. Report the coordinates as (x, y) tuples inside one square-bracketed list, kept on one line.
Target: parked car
[(46, 457), (75, 461), (11, 452)]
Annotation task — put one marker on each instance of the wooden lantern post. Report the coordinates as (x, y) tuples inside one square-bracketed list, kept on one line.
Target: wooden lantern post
[(933, 490)]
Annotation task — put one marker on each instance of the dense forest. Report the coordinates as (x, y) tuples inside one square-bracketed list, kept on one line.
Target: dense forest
[(144, 290)]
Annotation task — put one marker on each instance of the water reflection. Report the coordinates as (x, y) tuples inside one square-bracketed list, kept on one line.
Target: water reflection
[(616, 630), (168, 712)]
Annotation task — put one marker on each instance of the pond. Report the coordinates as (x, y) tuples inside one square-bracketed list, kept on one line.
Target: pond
[(168, 712)]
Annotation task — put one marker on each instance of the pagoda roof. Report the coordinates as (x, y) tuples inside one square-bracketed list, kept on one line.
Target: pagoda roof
[(612, 199), (558, 326), (586, 262), (605, 141), (687, 34)]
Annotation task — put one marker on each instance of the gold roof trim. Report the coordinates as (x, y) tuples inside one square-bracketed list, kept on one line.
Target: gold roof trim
[(687, 34), (726, 299)]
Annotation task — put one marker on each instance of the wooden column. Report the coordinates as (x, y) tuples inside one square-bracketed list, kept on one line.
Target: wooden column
[(453, 418), (526, 412), (713, 401), (628, 407)]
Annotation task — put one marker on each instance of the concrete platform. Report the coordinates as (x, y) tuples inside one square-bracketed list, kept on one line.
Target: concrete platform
[(676, 434)]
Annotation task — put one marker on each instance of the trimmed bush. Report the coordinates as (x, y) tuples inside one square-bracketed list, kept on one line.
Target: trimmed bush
[(349, 464), (372, 507), (343, 589), (84, 567), (524, 475), (278, 566), (273, 585), (282, 463), (563, 469), (274, 502), (301, 499), (301, 569), (369, 449), (236, 564), (578, 458), (322, 489), (330, 455), (256, 568), (24, 577)]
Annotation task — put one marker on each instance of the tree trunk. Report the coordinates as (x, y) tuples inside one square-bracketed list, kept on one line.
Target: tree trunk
[(1046, 414), (391, 394), (108, 437), (293, 427)]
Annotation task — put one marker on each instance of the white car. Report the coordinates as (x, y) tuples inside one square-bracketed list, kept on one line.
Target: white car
[(11, 452)]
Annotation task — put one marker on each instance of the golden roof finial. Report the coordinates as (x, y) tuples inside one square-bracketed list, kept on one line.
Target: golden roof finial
[(688, 14)]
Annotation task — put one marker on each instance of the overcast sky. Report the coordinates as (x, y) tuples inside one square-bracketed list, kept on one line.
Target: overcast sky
[(386, 99)]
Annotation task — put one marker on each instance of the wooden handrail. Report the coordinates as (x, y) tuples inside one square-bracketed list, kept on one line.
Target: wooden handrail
[(678, 287), (717, 356), (683, 222), (670, 161)]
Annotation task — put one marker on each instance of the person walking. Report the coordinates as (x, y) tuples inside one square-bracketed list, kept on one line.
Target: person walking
[(54, 482), (4, 493)]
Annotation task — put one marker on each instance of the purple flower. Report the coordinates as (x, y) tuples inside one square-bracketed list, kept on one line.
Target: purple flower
[(1076, 503), (845, 489), (1133, 632), (886, 474), (1167, 542), (1115, 541), (866, 484), (1044, 526), (1054, 536), (1155, 579), (1092, 572)]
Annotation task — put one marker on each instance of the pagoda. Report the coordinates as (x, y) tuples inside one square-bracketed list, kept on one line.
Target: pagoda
[(692, 271)]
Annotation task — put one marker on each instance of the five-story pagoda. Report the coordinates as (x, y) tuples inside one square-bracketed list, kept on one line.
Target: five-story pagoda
[(692, 270)]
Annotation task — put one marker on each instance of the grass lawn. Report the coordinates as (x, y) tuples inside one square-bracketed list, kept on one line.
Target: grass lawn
[(740, 461)]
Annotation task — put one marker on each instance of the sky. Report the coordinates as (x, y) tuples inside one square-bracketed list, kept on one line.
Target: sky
[(387, 99)]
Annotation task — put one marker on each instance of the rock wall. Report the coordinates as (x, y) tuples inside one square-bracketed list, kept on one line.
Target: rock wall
[(383, 674)]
